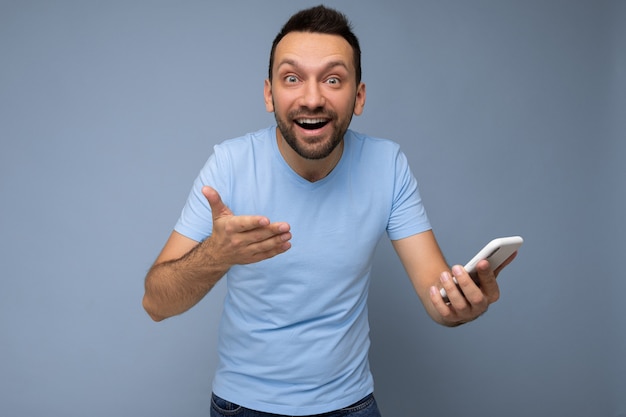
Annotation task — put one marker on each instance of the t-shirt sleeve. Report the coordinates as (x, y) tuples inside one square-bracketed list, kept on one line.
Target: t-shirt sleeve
[(408, 215), (196, 220)]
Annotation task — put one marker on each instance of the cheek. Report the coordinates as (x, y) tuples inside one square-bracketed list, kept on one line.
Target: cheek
[(347, 108), (281, 102), (343, 101)]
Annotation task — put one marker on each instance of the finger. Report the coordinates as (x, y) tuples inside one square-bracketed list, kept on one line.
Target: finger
[(455, 313), (239, 223), (275, 232), (270, 248), (487, 280), (442, 307), (253, 229), (218, 208), (455, 295), (472, 291), (265, 249)]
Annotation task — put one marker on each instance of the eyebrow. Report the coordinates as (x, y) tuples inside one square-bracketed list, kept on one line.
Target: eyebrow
[(330, 65)]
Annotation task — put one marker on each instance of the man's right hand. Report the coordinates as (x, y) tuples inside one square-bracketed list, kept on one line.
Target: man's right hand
[(243, 239), (185, 270)]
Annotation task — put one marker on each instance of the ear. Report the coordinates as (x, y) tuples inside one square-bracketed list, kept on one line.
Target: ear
[(267, 94), (360, 100)]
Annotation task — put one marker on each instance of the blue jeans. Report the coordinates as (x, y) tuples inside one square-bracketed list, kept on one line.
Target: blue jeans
[(364, 408)]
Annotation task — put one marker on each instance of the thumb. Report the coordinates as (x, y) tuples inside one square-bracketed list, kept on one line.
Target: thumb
[(218, 208)]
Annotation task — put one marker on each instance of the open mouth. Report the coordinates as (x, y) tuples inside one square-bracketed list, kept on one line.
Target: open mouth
[(311, 124)]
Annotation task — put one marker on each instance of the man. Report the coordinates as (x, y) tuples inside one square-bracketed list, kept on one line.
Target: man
[(293, 337)]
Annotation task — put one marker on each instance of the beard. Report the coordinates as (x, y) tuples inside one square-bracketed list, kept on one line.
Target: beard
[(314, 147)]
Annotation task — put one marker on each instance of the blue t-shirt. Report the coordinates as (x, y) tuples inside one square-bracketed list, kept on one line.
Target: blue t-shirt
[(294, 333)]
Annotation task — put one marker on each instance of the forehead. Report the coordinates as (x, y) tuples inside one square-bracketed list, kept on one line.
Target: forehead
[(313, 48)]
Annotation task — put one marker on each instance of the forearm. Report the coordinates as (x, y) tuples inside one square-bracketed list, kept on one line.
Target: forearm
[(424, 263), (173, 287)]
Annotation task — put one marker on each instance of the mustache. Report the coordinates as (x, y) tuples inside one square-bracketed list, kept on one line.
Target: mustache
[(316, 113)]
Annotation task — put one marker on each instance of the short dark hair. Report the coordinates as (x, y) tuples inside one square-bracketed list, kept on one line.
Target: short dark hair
[(320, 19)]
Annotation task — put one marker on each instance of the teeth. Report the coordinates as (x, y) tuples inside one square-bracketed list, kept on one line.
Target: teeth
[(310, 121)]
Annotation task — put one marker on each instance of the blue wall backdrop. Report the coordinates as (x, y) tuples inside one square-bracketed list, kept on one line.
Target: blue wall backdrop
[(512, 114)]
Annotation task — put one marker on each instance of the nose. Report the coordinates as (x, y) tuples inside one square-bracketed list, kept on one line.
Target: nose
[(312, 96)]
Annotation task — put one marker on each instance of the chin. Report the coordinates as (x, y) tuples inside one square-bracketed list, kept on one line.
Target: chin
[(319, 150)]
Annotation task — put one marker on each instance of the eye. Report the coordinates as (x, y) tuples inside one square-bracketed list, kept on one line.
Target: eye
[(291, 79), (333, 81)]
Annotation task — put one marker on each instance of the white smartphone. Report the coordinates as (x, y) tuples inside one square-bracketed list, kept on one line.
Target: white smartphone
[(495, 252)]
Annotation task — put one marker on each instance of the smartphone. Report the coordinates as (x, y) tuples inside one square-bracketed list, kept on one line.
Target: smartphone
[(495, 252)]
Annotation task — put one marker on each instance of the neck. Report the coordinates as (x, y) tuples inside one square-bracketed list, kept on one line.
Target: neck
[(311, 170)]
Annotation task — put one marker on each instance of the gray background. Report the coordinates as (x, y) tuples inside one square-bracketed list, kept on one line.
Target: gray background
[(512, 114)]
